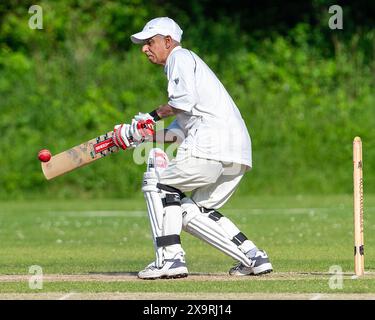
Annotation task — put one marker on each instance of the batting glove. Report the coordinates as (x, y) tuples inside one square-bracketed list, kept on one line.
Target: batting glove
[(141, 130), (143, 117), (121, 137)]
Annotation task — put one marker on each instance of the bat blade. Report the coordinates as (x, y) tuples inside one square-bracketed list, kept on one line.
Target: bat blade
[(79, 156)]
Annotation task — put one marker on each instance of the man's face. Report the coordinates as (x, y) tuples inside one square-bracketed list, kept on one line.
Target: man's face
[(156, 49)]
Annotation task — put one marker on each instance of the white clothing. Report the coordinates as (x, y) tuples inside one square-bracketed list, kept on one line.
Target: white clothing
[(210, 162), (212, 182), (162, 25), (209, 118)]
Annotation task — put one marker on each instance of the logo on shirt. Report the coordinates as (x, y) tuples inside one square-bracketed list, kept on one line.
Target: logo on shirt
[(176, 81)]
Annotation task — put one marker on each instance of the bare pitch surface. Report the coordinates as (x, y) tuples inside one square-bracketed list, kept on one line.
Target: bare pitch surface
[(132, 276)]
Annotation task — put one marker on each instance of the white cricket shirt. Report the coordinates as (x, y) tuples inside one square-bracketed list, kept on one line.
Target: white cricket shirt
[(209, 118)]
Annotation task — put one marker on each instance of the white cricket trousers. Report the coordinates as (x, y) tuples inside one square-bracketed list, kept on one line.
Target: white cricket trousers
[(212, 182)]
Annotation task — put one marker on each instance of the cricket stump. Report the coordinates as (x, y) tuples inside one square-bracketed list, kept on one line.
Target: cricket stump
[(359, 261)]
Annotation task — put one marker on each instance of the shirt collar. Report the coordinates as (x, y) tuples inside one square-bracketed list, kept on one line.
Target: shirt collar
[(166, 63)]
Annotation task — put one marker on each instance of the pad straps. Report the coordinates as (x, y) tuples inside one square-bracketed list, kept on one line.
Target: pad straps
[(170, 189), (168, 240), (238, 239)]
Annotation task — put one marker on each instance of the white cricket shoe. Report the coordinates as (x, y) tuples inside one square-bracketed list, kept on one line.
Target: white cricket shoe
[(260, 264), (172, 268)]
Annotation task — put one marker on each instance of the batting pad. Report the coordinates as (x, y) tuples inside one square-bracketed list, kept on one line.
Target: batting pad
[(204, 228), (164, 210)]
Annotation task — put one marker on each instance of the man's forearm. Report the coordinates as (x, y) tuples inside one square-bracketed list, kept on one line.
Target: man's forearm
[(164, 136), (164, 111)]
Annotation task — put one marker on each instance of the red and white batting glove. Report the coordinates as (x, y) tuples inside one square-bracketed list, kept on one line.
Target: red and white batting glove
[(121, 137), (141, 130), (145, 124), (131, 135)]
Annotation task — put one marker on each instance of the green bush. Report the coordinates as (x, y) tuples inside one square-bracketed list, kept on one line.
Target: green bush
[(303, 103), (303, 112)]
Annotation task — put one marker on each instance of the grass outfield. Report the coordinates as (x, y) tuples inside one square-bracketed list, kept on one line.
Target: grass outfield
[(105, 242)]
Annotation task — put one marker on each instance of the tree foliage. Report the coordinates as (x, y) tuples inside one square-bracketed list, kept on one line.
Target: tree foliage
[(303, 89)]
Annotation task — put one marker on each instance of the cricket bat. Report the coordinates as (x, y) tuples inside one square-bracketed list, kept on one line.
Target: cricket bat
[(79, 156)]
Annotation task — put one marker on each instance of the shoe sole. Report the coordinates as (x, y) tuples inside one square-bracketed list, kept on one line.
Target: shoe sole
[(263, 269), (261, 273), (175, 276)]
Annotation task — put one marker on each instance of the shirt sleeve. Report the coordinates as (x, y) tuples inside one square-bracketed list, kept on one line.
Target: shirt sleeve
[(182, 93)]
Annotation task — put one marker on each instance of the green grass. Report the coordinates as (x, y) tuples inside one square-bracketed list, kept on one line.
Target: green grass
[(274, 286), (301, 234)]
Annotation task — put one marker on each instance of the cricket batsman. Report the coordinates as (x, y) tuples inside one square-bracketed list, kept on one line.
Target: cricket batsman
[(214, 154)]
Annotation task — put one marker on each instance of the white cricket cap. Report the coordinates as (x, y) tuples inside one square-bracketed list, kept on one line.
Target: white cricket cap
[(163, 25)]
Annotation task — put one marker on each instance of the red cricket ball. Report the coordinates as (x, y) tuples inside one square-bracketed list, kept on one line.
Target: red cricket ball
[(44, 155)]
